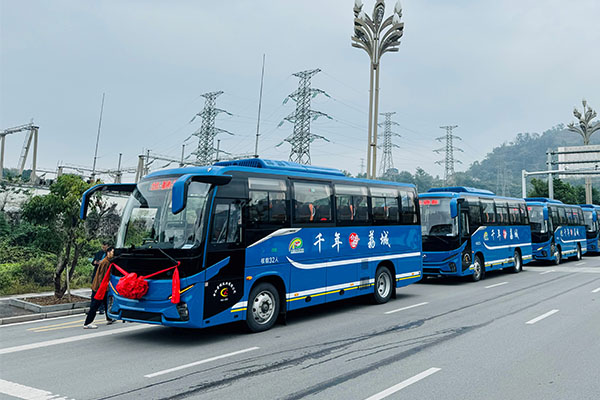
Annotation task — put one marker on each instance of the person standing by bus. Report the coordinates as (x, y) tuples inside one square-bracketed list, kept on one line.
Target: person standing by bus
[(95, 304), (100, 254)]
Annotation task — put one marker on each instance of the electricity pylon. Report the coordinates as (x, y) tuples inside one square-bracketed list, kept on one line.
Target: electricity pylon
[(301, 117), (449, 160), (206, 152), (387, 161)]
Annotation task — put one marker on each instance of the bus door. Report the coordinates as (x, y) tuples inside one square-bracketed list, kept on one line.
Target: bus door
[(225, 257), (465, 236)]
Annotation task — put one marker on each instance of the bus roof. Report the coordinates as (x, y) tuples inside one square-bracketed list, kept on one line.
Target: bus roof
[(269, 166), (460, 189), (590, 206), (542, 200)]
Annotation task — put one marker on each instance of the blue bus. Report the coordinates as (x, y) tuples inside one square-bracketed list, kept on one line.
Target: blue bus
[(467, 232), (253, 239), (557, 230), (591, 212)]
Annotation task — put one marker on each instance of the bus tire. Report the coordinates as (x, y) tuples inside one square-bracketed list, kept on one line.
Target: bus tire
[(556, 256), (518, 267), (383, 285), (263, 307), (578, 255), (478, 269)]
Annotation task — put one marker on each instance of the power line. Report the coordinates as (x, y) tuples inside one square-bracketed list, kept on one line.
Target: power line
[(449, 160), (301, 117)]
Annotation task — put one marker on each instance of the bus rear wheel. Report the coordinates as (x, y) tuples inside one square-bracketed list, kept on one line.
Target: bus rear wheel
[(556, 256), (383, 285), (263, 307), (578, 255), (477, 269), (518, 267)]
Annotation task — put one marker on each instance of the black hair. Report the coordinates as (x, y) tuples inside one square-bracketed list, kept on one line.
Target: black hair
[(110, 248), (105, 243)]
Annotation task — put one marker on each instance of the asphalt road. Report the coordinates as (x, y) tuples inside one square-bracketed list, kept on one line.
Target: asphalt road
[(533, 335)]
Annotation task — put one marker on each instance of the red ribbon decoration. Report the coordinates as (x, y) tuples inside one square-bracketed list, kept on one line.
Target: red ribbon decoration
[(174, 289)]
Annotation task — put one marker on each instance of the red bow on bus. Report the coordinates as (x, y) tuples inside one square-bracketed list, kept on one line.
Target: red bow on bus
[(133, 286)]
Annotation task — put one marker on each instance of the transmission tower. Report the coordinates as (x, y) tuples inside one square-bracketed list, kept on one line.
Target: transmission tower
[(302, 137), (449, 149), (387, 162), (206, 152)]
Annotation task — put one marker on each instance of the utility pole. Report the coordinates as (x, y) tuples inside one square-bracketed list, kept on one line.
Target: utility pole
[(301, 117), (387, 162), (449, 160), (97, 140), (262, 78), (205, 154), (362, 165)]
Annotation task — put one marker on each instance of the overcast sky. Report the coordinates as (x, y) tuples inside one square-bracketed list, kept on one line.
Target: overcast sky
[(494, 68)]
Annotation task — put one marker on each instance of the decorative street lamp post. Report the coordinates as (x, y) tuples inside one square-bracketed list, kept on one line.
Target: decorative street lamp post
[(376, 36)]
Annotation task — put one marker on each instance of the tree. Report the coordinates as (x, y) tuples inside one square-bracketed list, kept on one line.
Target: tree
[(563, 191), (59, 211)]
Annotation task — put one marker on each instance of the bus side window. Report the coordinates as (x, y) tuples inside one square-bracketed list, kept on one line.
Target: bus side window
[(489, 215), (312, 202), (562, 216), (524, 214), (514, 214), (502, 211), (409, 206), (258, 208), (227, 223), (474, 215)]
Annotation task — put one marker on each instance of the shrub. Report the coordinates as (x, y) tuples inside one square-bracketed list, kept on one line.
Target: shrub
[(39, 270)]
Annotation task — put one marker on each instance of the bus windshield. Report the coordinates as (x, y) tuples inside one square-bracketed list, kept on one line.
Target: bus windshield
[(149, 223), (436, 219), (589, 221), (536, 219)]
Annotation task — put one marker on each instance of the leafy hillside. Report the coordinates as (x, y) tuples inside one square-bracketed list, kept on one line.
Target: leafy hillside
[(500, 170)]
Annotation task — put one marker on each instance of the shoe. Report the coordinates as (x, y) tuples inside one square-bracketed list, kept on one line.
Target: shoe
[(90, 326), (110, 322), (101, 312)]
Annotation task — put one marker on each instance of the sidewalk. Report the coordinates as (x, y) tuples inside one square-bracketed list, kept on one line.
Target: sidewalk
[(11, 314)]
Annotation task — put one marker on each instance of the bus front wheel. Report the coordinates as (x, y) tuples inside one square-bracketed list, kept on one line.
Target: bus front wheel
[(578, 255), (263, 307), (383, 285), (477, 269), (556, 256)]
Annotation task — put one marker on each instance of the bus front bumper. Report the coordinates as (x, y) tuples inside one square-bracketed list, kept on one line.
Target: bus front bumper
[(451, 266)]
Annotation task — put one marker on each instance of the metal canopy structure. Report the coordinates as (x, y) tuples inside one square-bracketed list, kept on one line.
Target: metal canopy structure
[(32, 135)]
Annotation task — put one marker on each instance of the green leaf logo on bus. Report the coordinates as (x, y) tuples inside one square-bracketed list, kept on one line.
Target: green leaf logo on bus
[(296, 246)]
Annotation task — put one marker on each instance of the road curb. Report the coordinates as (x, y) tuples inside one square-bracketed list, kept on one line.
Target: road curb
[(40, 316)]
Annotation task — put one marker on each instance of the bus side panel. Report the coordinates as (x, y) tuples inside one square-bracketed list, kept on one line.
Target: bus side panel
[(568, 237), (498, 244)]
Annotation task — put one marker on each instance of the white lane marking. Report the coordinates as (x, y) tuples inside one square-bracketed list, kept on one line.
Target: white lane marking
[(580, 263), (85, 336), (42, 320), (402, 385), (496, 284), (546, 272), (406, 308), (596, 290), (541, 317), (166, 371), (26, 392)]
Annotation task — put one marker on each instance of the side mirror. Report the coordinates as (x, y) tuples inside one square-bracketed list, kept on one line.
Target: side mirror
[(180, 188), (112, 187)]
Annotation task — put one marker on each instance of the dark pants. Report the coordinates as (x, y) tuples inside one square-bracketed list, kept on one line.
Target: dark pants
[(102, 305), (94, 306)]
